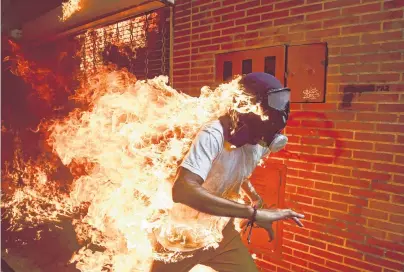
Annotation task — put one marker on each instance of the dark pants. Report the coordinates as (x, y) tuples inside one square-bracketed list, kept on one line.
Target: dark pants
[(230, 256)]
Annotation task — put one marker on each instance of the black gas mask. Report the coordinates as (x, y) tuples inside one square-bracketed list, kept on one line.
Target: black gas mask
[(251, 129)]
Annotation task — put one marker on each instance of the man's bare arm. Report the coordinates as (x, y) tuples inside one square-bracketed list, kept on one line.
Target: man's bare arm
[(187, 190)]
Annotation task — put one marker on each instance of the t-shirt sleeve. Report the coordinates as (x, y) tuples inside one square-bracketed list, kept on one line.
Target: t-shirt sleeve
[(204, 149)]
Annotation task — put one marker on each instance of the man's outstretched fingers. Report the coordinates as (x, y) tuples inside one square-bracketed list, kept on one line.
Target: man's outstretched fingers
[(270, 233), (298, 222)]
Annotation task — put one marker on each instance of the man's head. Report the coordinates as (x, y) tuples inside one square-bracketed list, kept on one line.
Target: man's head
[(274, 99)]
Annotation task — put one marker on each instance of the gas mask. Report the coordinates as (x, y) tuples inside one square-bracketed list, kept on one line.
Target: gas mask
[(252, 130)]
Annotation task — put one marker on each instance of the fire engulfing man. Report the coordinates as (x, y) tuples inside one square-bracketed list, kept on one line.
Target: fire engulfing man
[(213, 173)]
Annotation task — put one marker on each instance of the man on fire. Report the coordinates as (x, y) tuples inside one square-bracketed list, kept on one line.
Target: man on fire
[(217, 167)]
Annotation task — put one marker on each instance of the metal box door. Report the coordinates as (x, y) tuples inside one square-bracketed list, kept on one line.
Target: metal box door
[(269, 59), (269, 181)]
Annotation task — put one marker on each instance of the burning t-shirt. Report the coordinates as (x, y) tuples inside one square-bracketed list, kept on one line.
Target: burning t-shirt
[(223, 171)]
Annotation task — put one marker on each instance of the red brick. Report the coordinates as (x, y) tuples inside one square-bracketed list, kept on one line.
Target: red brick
[(306, 9), (313, 193), (365, 212), (382, 186), (386, 207), (361, 28), (389, 127), (259, 25), (330, 204), (294, 260), (273, 15), (373, 7), (265, 265), (231, 2), (201, 15), (289, 20), (224, 39), (363, 265), (341, 267), (390, 56), (394, 255), (233, 16), (247, 5), (210, 34), (381, 37), (209, 48), (399, 24), (355, 164), (358, 145), (310, 242), (390, 148), (369, 194), (393, 67), (332, 188), (322, 33), (223, 25), (308, 257), (379, 97), (393, 4), (245, 36), (349, 200), (374, 156), (381, 16), (213, 5), (345, 251), (340, 3), (315, 176), (300, 199), (201, 29), (326, 254), (349, 219), (358, 126), (326, 238), (370, 175), (201, 43), (360, 68), (223, 10), (378, 117), (344, 40), (300, 148), (384, 262), (399, 219), (391, 108), (305, 27), (380, 77), (343, 59), (288, 4), (323, 15), (317, 141), (259, 10), (375, 137), (233, 30), (385, 244), (317, 124), (249, 19), (341, 171), (336, 22)]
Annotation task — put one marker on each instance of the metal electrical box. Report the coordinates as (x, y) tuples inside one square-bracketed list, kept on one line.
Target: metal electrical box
[(300, 67)]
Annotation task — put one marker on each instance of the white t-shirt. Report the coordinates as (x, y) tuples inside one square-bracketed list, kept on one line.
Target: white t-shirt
[(223, 171)]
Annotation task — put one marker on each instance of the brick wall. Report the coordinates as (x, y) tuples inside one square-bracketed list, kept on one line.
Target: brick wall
[(348, 178)]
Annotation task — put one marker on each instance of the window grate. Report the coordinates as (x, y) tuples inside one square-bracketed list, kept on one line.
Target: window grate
[(140, 44)]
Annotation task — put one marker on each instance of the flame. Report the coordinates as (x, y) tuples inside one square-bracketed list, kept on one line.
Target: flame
[(123, 148), (69, 8)]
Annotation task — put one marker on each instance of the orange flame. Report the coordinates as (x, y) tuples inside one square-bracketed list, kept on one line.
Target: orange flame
[(69, 8), (128, 144)]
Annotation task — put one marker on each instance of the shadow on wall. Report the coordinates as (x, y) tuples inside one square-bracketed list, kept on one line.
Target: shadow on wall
[(350, 91)]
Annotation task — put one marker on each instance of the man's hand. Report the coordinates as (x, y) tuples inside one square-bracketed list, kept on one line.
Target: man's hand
[(265, 218)]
